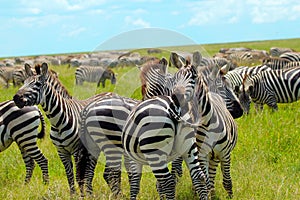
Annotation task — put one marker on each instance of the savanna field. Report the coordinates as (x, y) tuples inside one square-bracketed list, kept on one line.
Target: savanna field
[(265, 163)]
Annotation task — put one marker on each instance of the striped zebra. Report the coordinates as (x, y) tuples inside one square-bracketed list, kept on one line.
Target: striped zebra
[(291, 56), (276, 63), (216, 135), (272, 87), (154, 135), (277, 51), (213, 75), (241, 58), (94, 74), (21, 126), (6, 75), (102, 122), (63, 111)]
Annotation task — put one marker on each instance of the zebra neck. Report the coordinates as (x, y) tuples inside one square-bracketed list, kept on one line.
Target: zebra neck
[(59, 109)]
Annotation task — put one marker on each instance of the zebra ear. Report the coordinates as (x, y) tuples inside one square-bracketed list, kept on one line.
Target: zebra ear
[(28, 70), (163, 61), (224, 69), (44, 69), (175, 60), (197, 57)]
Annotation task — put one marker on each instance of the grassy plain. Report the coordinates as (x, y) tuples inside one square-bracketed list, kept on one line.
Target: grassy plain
[(265, 161)]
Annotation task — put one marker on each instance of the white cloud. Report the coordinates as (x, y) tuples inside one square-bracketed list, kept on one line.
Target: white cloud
[(139, 22), (76, 32), (214, 11), (269, 11)]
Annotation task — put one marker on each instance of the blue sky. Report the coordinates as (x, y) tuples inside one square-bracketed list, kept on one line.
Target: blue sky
[(36, 27)]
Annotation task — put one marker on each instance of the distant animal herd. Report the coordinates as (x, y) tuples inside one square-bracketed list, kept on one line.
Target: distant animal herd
[(185, 116)]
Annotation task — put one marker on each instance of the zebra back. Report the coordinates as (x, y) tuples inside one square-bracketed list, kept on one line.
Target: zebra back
[(291, 56)]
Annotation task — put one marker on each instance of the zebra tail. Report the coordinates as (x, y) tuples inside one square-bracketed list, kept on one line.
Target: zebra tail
[(42, 133)]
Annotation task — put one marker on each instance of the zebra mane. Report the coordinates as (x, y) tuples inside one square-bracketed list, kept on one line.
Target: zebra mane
[(54, 81), (152, 69)]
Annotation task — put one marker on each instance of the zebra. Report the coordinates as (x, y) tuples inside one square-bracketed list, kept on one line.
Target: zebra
[(216, 135), (272, 87), (6, 75), (63, 111), (277, 51), (154, 135), (275, 63), (94, 74), (102, 122), (21, 126), (213, 74), (291, 56), (241, 58)]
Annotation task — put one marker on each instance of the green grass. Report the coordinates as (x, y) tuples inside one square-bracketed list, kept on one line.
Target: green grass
[(265, 161)]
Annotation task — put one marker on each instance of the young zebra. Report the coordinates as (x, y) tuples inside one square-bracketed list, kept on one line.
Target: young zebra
[(154, 134), (216, 135), (272, 87), (21, 126), (63, 111), (94, 74)]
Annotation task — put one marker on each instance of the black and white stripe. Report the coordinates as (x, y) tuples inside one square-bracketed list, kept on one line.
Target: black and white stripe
[(291, 56), (216, 135), (94, 74), (275, 63), (21, 126), (154, 135), (272, 87), (102, 122), (63, 112)]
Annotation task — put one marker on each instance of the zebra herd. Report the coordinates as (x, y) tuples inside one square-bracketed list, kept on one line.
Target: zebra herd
[(186, 116)]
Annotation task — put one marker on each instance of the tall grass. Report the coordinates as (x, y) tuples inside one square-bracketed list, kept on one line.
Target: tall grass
[(265, 161)]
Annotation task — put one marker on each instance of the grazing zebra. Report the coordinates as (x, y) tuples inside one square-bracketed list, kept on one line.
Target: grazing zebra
[(275, 63), (6, 75), (241, 58), (94, 74), (63, 111), (102, 122), (277, 51), (272, 87), (291, 56), (154, 135), (216, 135), (21, 126)]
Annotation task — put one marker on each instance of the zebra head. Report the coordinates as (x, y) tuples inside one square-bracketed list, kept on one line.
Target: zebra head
[(31, 92), (184, 83), (217, 82), (245, 92)]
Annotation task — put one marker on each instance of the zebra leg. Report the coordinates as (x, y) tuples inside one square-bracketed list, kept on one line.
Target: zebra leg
[(67, 162), (165, 180), (213, 164), (81, 162), (199, 179), (112, 174), (35, 154), (177, 168), (89, 174), (227, 183), (29, 164), (134, 171)]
